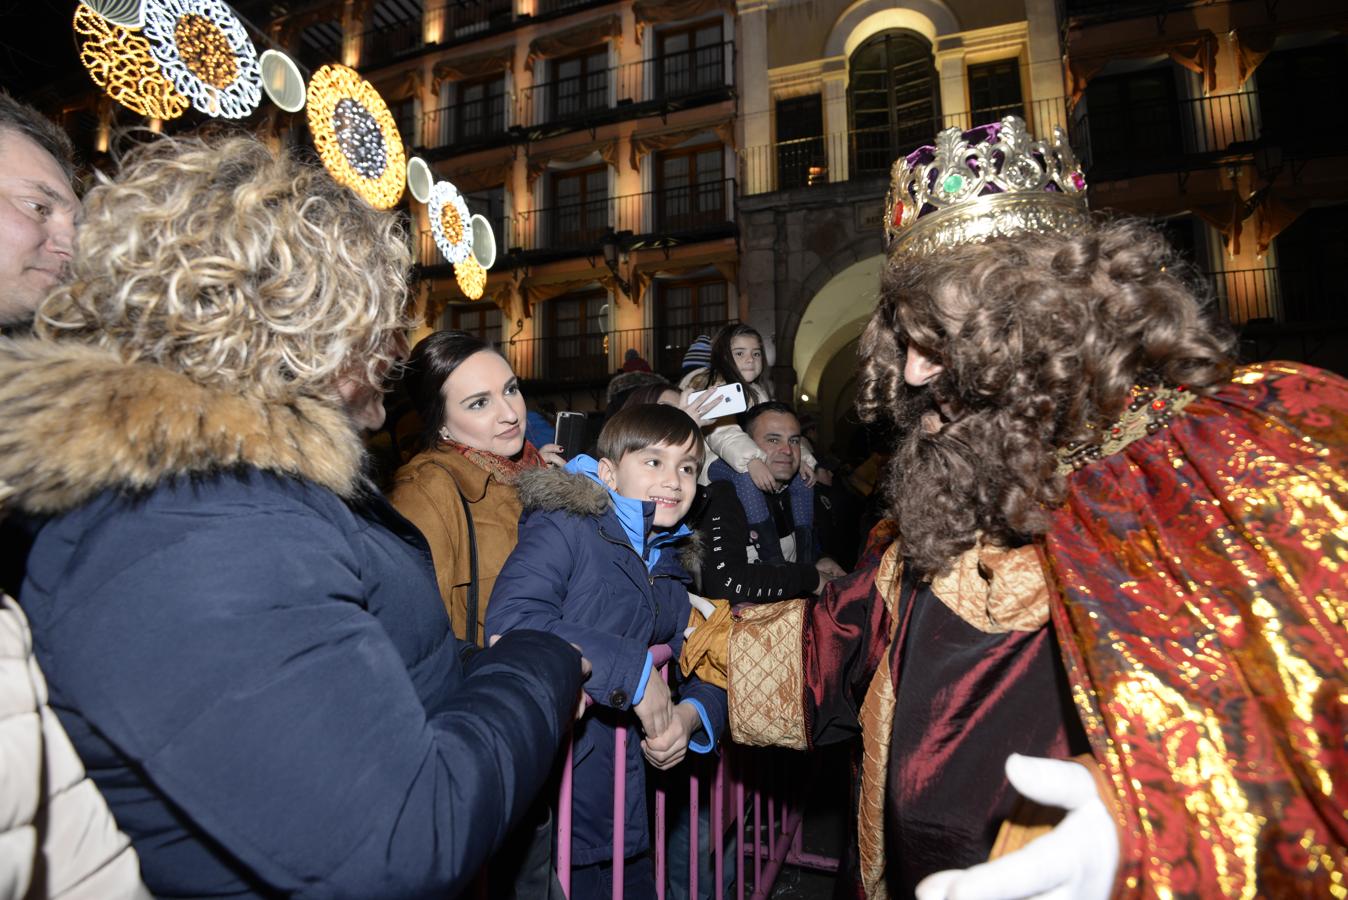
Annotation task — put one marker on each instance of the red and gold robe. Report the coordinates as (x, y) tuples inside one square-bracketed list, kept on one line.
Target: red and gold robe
[(1198, 588)]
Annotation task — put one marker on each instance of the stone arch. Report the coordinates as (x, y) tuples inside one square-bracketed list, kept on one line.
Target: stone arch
[(829, 302), (865, 18)]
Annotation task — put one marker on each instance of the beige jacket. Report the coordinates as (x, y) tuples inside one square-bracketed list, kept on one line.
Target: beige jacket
[(57, 837)]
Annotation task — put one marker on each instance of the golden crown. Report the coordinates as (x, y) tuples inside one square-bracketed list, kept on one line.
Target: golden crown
[(992, 181)]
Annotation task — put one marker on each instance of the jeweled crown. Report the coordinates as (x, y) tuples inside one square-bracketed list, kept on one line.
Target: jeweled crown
[(991, 181)]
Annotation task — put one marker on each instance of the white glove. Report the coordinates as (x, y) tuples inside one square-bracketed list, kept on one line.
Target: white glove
[(1077, 860), (702, 605)]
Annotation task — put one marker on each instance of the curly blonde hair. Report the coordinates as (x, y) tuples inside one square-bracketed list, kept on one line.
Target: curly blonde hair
[(1042, 338), (239, 267)]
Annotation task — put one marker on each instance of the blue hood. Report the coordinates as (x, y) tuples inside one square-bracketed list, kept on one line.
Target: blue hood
[(637, 517)]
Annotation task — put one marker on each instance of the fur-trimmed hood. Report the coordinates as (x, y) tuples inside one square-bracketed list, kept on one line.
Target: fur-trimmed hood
[(76, 420), (556, 490)]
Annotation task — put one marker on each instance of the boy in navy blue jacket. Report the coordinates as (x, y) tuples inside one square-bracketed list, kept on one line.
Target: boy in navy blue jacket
[(598, 563)]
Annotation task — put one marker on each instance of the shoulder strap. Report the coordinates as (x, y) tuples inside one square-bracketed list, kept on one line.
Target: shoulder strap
[(470, 627)]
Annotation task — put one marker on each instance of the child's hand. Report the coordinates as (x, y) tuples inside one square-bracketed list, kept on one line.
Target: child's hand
[(667, 750), (807, 473), (655, 709), (762, 475)]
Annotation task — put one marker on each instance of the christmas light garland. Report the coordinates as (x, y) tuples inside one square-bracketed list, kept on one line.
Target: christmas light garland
[(355, 135), (205, 51), (121, 63)]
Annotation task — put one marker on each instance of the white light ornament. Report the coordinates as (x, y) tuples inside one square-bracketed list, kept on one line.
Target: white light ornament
[(419, 179), (205, 51), (126, 13), (450, 222), (484, 241), (281, 80)]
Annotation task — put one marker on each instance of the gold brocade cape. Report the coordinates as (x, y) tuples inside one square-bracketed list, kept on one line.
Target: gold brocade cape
[(1198, 585)]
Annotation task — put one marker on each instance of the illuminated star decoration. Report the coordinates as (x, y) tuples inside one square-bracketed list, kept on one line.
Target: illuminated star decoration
[(120, 62), (205, 51), (355, 135), (450, 223)]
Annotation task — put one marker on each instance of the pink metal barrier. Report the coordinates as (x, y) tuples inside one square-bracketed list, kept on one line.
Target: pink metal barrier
[(773, 781)]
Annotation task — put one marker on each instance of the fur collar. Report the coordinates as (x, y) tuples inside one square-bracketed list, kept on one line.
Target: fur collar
[(555, 490), (77, 420)]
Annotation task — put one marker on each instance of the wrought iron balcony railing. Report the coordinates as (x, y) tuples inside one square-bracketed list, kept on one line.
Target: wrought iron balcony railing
[(594, 357)]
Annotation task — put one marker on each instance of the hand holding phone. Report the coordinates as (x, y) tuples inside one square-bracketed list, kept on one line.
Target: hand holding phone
[(571, 433), (731, 401)]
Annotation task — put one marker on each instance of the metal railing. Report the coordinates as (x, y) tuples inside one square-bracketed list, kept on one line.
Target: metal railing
[(454, 20), (671, 79), (684, 212), (1148, 137), (869, 153), (466, 122), (594, 357), (379, 45)]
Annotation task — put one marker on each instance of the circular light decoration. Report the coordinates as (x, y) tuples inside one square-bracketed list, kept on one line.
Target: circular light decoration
[(281, 80), (419, 179), (484, 241), (472, 278), (355, 135), (206, 53), (120, 62), (126, 13), (450, 222)]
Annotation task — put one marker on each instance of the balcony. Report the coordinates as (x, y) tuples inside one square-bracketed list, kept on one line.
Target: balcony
[(387, 42), (683, 214), (448, 22), (672, 81), (867, 153), (593, 358), (469, 124)]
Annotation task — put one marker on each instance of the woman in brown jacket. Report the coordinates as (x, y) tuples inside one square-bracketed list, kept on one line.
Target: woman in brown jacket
[(460, 490)]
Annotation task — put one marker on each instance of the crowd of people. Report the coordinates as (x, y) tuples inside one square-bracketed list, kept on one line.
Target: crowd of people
[(1093, 646)]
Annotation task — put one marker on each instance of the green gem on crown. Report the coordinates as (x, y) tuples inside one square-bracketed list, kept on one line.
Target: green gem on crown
[(952, 184)]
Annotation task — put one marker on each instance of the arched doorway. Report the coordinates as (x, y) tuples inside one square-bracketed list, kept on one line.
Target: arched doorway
[(893, 99)]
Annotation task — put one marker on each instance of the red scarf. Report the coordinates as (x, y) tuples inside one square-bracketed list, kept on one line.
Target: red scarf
[(506, 469)]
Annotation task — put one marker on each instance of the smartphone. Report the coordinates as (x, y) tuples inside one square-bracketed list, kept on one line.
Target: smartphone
[(732, 401), (572, 433)]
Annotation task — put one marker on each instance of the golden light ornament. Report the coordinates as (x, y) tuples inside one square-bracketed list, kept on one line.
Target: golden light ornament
[(207, 54), (450, 222), (472, 278), (355, 135), (120, 62)]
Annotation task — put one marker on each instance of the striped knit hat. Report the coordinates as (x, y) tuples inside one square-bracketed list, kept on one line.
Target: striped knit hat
[(698, 355)]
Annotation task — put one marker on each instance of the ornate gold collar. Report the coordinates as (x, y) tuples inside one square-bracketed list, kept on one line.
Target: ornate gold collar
[(1150, 409)]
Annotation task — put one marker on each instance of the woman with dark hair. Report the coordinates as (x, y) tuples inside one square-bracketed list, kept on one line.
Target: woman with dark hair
[(460, 490)]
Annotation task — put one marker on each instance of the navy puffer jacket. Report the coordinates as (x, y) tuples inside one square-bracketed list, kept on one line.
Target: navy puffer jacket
[(576, 574)]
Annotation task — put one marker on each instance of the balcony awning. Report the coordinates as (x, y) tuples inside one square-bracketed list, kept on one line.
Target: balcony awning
[(657, 12), (573, 40), (536, 289), (1196, 52), (479, 65), (645, 144), (607, 150), (723, 257)]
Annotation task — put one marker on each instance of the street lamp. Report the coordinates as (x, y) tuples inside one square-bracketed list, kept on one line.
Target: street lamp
[(614, 244)]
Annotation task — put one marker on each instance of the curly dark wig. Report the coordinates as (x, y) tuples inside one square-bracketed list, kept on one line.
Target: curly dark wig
[(1042, 338)]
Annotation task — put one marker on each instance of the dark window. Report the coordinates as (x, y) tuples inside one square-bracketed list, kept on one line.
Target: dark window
[(893, 100), (994, 91), (1312, 290), (801, 158), (405, 117), (577, 348), (490, 203), (691, 60), (1300, 86), (687, 309), (320, 44), (691, 190), (483, 320), (1133, 121), (580, 83), (579, 207), (480, 111), (393, 27), (468, 18)]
